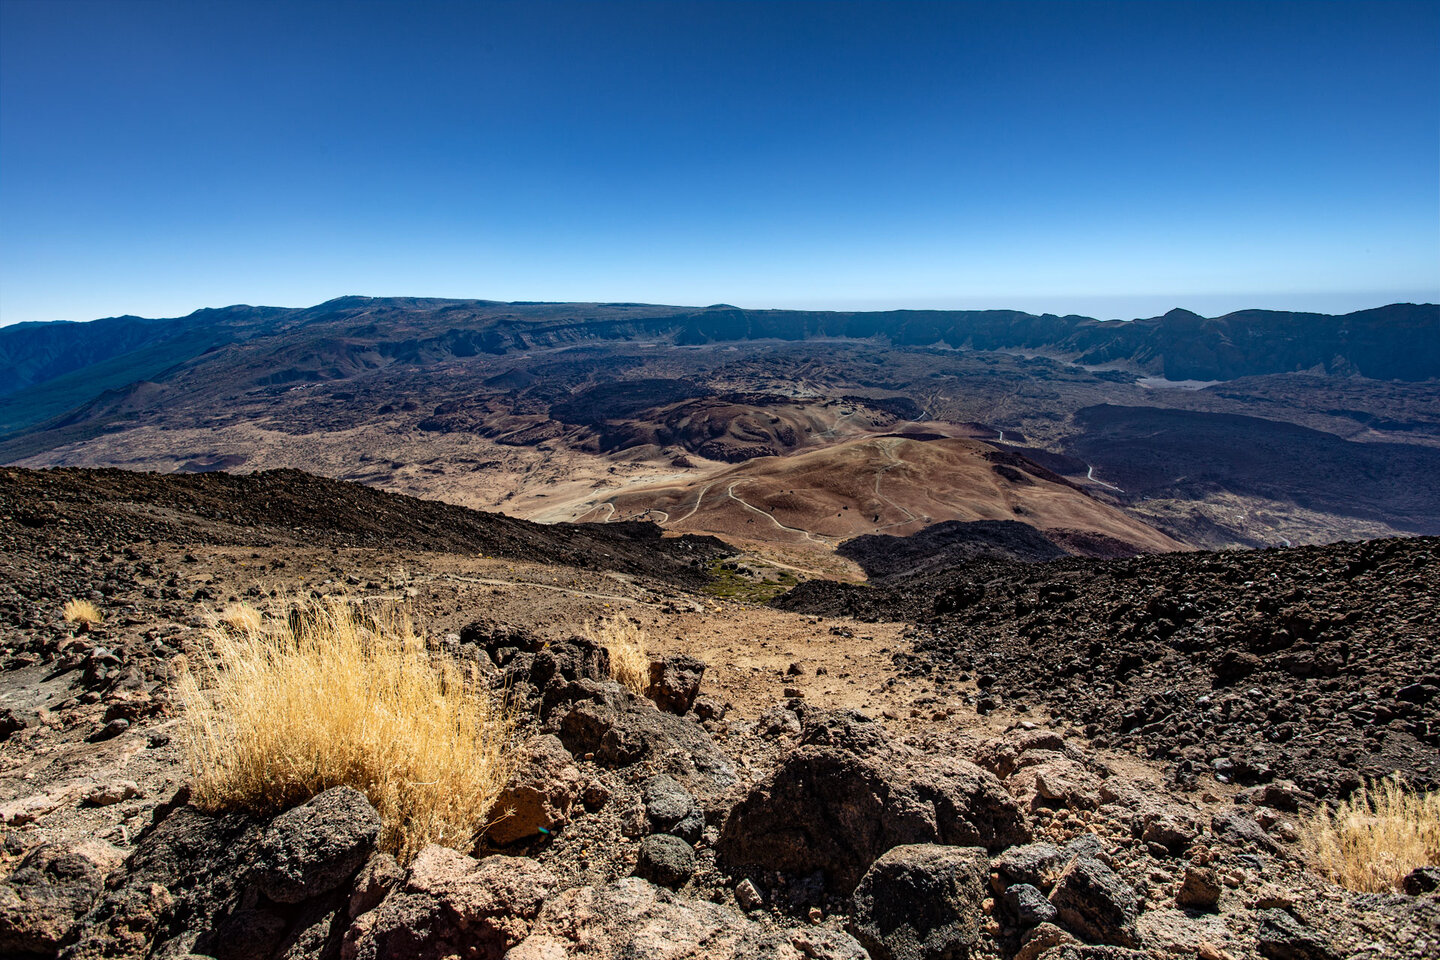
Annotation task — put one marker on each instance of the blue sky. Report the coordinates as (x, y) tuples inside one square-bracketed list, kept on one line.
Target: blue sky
[(1114, 159)]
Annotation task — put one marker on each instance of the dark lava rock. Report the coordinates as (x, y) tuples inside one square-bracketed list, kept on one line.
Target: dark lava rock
[(921, 902), (187, 873), (1422, 880), (1095, 903), (247, 934), (9, 723), (675, 682), (317, 846), (1029, 905), (1036, 864), (671, 809), (637, 732), (1238, 827), (828, 810), (666, 860), (1282, 937), (41, 902)]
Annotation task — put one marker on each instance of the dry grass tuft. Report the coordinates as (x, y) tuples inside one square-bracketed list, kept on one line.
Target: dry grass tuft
[(625, 641), (284, 707), (1371, 841), (241, 618), (81, 611)]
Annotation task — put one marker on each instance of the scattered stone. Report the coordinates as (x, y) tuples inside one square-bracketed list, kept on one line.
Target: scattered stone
[(317, 846), (920, 901), (105, 795), (671, 809), (1237, 826), (748, 895), (1171, 831), (779, 721), (1200, 889), (110, 730), (666, 860), (1029, 905), (1095, 903), (595, 795)]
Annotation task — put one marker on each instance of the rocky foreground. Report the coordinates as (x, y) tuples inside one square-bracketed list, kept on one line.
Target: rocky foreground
[(673, 824)]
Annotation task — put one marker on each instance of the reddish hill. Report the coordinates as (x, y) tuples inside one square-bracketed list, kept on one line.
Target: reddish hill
[(891, 484)]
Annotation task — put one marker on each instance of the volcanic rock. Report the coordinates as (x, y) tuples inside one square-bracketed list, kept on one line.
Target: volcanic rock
[(453, 906), (317, 846), (675, 682), (539, 795), (921, 901), (828, 810), (1095, 903), (666, 860)]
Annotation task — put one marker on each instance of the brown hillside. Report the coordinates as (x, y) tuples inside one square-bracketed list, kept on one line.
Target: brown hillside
[(891, 484)]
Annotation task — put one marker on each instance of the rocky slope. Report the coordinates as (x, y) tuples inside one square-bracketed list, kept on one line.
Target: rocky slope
[(1316, 664), (705, 819)]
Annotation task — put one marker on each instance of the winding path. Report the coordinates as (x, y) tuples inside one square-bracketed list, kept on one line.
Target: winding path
[(1090, 475)]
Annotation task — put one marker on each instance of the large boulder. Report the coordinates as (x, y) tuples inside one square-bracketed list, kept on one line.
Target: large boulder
[(43, 900), (318, 846), (829, 810), (540, 794), (452, 905), (921, 902)]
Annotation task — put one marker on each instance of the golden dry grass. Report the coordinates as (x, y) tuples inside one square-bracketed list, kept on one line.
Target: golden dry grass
[(1371, 841), (81, 611), (324, 694), (242, 617), (624, 639)]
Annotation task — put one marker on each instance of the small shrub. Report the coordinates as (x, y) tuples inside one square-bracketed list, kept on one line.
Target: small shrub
[(624, 639), (281, 708), (81, 611), (1371, 841)]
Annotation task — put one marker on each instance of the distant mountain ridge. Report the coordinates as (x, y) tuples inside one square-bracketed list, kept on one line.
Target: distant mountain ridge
[(1395, 342)]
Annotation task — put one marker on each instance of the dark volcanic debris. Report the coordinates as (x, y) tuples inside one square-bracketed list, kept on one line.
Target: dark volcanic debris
[(1319, 665)]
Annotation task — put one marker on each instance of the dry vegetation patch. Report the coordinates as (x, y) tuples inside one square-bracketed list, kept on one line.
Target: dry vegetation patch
[(283, 707), (81, 611), (1371, 841), (624, 640)]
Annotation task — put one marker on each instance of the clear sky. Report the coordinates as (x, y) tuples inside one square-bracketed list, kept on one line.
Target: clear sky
[(1113, 159)]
